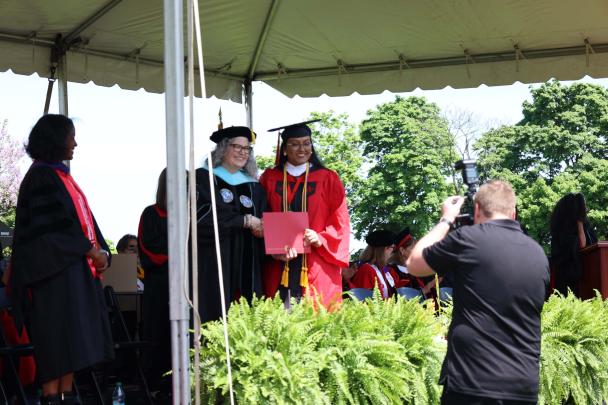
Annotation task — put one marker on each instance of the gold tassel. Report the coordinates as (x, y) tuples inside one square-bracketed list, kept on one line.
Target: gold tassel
[(285, 276), (437, 289), (221, 124), (304, 277)]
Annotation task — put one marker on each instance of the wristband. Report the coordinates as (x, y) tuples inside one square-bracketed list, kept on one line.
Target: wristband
[(444, 220)]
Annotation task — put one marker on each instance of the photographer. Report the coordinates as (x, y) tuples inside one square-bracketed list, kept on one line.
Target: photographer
[(500, 278)]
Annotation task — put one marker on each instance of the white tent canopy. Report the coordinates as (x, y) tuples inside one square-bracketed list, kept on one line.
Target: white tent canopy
[(316, 47)]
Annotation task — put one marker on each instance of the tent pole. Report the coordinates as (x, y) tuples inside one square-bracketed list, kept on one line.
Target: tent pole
[(176, 196), (248, 102), (62, 84)]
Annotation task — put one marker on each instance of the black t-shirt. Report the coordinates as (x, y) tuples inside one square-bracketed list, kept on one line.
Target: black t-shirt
[(499, 277)]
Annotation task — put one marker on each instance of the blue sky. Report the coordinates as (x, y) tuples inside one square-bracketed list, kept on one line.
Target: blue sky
[(121, 133)]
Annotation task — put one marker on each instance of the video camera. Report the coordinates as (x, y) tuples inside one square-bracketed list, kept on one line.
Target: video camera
[(468, 168)]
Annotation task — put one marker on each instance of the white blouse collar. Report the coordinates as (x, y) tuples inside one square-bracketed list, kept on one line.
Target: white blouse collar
[(295, 171)]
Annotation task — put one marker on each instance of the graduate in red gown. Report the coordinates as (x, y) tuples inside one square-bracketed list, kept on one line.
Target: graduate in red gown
[(300, 183), (373, 270), (404, 243)]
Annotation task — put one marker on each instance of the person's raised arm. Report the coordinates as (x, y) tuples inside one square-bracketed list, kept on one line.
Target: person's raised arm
[(416, 264)]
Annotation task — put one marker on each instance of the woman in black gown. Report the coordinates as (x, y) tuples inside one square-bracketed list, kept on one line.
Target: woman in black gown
[(58, 256), (153, 253), (240, 203), (570, 232)]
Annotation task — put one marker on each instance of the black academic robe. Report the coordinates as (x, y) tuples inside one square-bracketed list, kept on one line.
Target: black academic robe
[(241, 252), (565, 256), (153, 247), (51, 281)]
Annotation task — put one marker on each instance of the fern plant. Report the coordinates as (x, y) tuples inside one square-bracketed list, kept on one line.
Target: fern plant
[(273, 353), (384, 352), (574, 351), (374, 352)]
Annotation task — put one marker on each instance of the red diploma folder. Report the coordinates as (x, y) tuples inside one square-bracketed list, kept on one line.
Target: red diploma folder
[(283, 229)]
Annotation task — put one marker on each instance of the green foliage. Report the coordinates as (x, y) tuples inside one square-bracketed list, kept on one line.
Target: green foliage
[(111, 246), (338, 144), (7, 216), (265, 162), (574, 351), (410, 154), (377, 352), (559, 147), (384, 352)]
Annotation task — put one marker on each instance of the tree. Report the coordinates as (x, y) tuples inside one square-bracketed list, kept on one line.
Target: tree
[(410, 154), (11, 153), (558, 147), (264, 162), (338, 144)]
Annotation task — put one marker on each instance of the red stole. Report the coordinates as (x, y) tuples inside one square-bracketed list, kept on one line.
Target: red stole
[(83, 211)]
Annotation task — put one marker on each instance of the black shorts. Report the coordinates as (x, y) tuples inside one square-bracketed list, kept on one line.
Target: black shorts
[(456, 398)]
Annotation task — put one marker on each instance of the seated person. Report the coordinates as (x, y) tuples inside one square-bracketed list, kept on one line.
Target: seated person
[(373, 270), (404, 243), (128, 244), (347, 274)]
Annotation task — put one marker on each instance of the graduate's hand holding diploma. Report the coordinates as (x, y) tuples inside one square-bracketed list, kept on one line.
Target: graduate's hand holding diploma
[(290, 254), (311, 238)]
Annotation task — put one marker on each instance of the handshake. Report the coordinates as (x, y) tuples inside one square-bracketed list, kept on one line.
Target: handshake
[(255, 224)]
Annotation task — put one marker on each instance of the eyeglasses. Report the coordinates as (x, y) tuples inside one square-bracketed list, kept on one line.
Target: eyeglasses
[(241, 149), (304, 145)]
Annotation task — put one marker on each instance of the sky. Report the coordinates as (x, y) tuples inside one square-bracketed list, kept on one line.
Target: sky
[(121, 133)]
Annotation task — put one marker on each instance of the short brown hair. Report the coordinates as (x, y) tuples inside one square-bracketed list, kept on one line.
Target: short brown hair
[(496, 197)]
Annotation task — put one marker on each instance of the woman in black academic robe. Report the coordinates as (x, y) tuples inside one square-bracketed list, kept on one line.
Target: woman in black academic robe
[(240, 203), (570, 232), (58, 256), (153, 252)]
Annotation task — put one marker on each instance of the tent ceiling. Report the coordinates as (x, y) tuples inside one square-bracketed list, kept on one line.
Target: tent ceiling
[(314, 47)]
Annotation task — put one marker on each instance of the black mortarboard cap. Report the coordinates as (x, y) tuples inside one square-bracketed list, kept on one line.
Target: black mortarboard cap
[(380, 238), (295, 130), (403, 237), (233, 132)]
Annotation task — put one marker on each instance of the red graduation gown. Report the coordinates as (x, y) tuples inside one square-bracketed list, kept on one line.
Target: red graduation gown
[(328, 216), (367, 277)]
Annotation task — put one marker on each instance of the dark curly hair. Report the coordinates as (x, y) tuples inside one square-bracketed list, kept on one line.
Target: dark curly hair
[(47, 140)]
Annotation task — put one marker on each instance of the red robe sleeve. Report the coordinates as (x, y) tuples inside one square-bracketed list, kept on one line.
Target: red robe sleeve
[(365, 277), (399, 282), (335, 238)]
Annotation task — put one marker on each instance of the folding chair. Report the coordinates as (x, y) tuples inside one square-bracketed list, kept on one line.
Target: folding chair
[(445, 293), (361, 294), (410, 293), (124, 342), (10, 354)]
